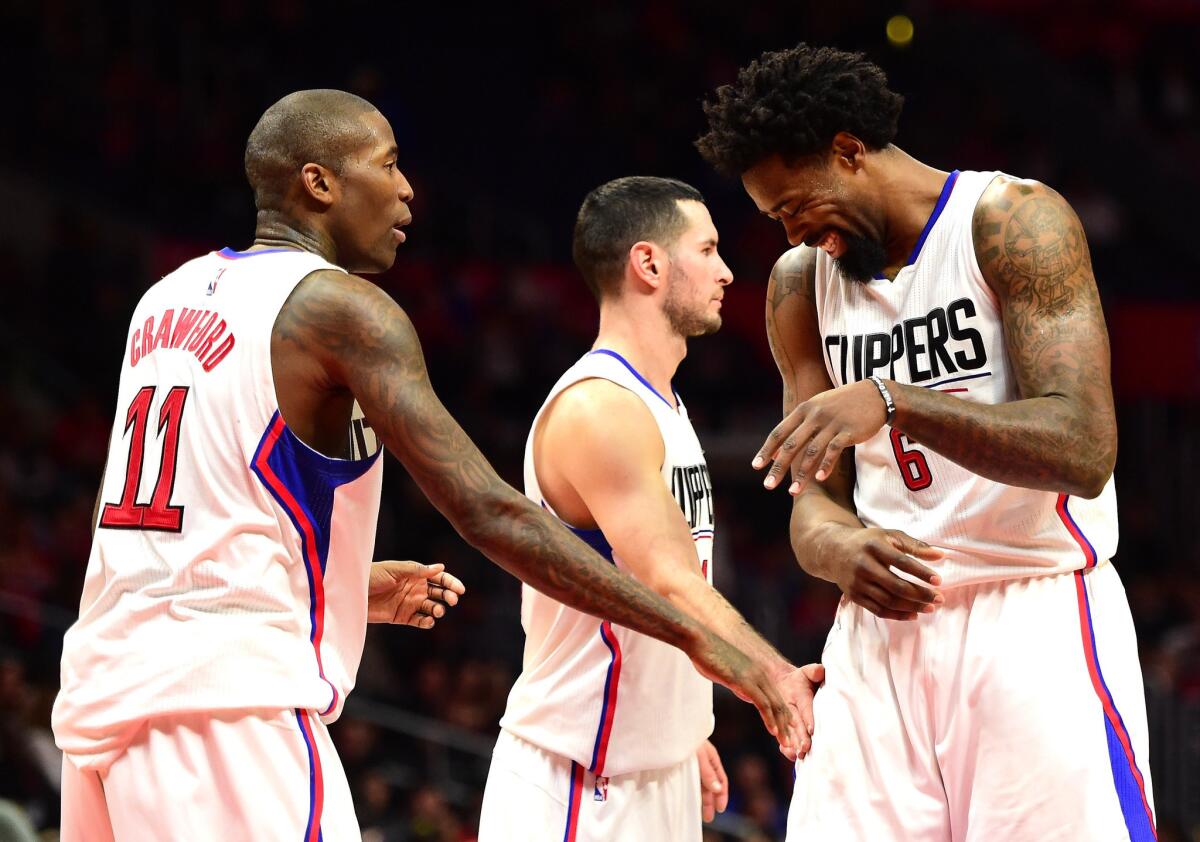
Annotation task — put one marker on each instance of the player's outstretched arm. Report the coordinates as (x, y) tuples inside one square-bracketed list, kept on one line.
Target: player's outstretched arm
[(829, 540), (600, 455), (1061, 435), (366, 344)]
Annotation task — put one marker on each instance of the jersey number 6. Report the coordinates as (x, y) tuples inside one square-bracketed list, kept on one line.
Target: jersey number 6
[(914, 468), (159, 515)]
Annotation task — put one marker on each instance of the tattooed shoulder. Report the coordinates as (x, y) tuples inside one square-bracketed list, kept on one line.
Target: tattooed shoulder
[(794, 274), (343, 317), (1030, 245)]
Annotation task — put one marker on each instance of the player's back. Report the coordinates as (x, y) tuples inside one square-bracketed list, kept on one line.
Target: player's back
[(229, 565)]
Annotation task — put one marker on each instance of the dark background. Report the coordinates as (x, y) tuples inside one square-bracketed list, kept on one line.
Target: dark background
[(121, 157)]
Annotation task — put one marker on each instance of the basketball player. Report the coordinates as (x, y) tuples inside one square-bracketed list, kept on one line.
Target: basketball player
[(951, 438), (605, 735), (226, 596)]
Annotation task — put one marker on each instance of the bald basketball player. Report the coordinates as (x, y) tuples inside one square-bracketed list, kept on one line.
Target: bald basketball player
[(230, 577)]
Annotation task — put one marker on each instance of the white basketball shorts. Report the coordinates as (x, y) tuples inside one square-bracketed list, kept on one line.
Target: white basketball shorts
[(1015, 711), (535, 796), (233, 777)]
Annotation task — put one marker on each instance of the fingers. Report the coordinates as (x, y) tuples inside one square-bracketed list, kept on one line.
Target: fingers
[(714, 783), (833, 452), (775, 713), (432, 609), (890, 554), (442, 594), (826, 446), (450, 582), (896, 604), (912, 546), (781, 446)]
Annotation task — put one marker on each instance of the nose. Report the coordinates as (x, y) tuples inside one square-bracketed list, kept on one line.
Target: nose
[(795, 231), (726, 276), (406, 191)]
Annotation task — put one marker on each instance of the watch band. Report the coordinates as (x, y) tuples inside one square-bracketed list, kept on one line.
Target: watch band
[(887, 398)]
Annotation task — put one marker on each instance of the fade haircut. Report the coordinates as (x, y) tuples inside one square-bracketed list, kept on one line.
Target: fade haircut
[(318, 127), (620, 213), (792, 103)]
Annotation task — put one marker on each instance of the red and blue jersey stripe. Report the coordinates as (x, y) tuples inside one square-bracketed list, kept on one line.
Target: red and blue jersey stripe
[(303, 482), (316, 781), (1127, 776)]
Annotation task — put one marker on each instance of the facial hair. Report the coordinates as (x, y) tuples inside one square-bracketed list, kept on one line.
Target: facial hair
[(865, 257), (685, 318)]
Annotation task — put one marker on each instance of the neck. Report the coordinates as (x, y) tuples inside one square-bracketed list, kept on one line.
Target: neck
[(644, 338), (910, 191), (275, 229)]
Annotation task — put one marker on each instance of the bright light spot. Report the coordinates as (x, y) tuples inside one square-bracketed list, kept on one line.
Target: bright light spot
[(900, 30)]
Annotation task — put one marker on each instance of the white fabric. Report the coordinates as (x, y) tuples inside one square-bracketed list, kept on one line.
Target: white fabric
[(938, 325), (530, 794), (196, 778), (231, 611), (639, 704), (978, 722)]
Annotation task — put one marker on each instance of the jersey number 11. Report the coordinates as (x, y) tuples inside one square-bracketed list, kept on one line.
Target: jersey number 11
[(159, 515)]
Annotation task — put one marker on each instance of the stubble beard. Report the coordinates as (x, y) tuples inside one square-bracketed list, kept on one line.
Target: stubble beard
[(685, 319)]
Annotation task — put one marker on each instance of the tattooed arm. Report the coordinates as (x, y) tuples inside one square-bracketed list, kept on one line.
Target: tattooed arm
[(1061, 435), (829, 540), (355, 338)]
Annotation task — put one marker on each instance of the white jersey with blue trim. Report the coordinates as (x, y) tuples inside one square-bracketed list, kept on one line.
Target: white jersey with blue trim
[(610, 699), (230, 561), (938, 326)]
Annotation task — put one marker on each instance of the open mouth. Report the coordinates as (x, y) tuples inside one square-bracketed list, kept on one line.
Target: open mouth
[(832, 244), (397, 230)]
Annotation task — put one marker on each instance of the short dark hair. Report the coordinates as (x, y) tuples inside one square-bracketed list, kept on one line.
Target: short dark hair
[(620, 213), (318, 126), (792, 103)]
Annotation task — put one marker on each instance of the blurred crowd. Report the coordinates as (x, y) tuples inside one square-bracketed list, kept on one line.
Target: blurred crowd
[(127, 160)]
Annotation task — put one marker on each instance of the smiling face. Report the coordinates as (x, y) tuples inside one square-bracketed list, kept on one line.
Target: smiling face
[(822, 201), (697, 276), (371, 204)]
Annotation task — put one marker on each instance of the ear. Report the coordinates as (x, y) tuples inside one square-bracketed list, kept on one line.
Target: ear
[(848, 151), (318, 183), (648, 263)]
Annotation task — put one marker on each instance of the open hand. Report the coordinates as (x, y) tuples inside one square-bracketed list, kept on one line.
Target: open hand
[(408, 593), (714, 783), (813, 435)]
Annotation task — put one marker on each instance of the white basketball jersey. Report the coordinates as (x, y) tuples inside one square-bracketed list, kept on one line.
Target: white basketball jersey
[(613, 700), (938, 326), (230, 562)]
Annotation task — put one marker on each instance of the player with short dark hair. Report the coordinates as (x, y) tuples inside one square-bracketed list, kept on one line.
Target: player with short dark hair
[(230, 578), (951, 439), (605, 732)]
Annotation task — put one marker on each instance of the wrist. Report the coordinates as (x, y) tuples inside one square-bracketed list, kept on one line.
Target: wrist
[(824, 540), (889, 403)]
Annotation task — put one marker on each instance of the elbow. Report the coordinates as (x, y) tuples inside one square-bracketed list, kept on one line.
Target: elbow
[(1094, 467), (1091, 482)]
